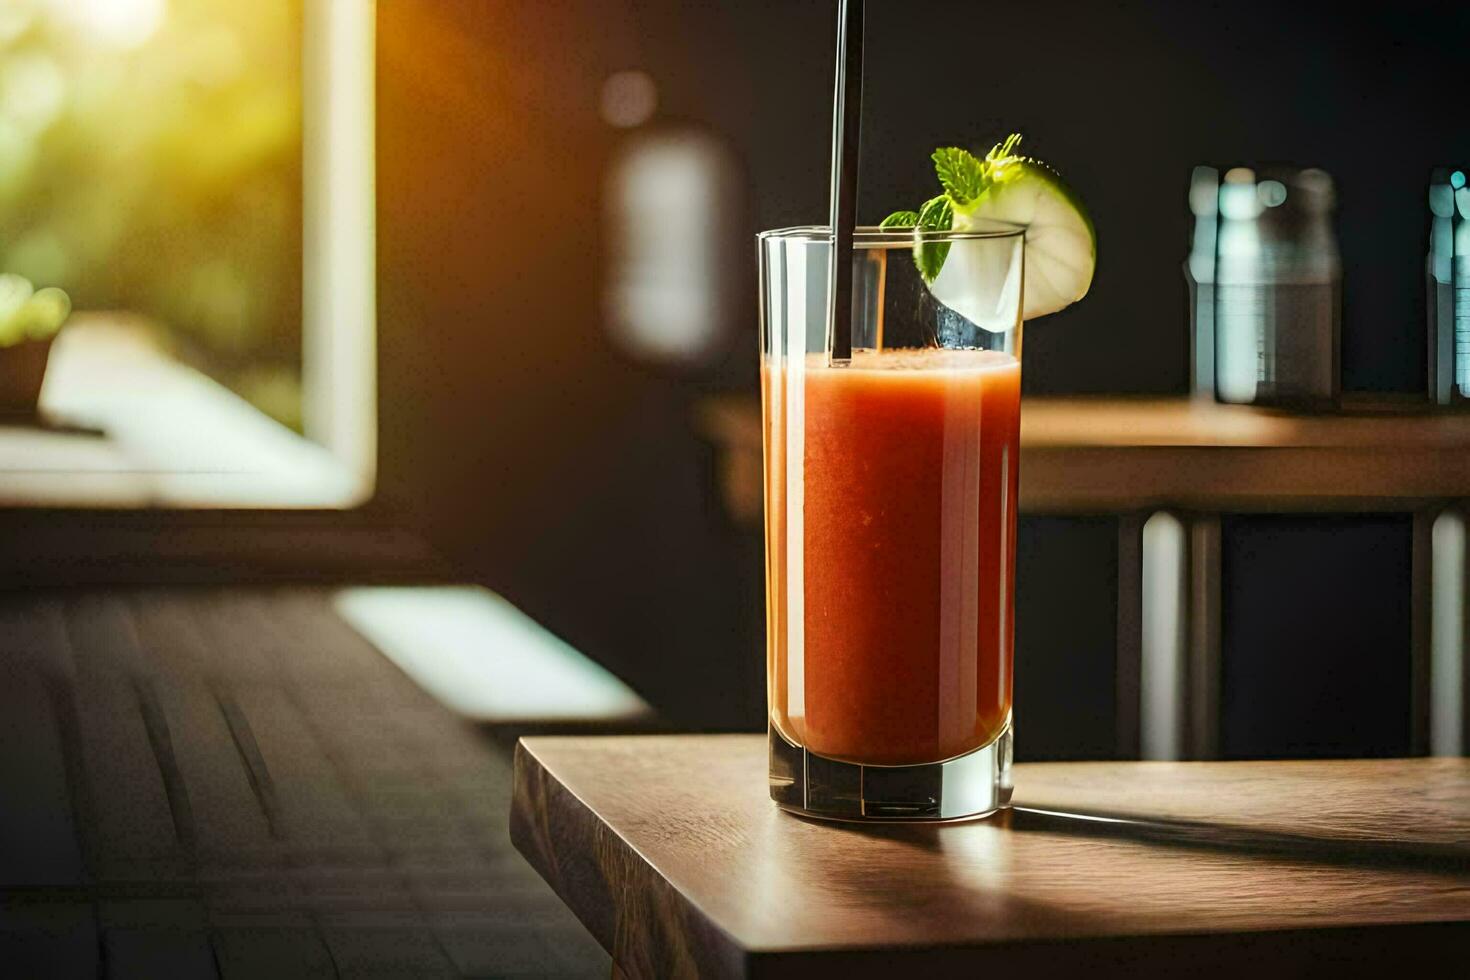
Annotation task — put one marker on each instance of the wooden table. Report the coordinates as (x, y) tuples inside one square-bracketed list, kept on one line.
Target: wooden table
[(1088, 455), (669, 851)]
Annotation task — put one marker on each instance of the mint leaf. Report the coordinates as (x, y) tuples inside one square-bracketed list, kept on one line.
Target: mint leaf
[(963, 175), (937, 214), (965, 179)]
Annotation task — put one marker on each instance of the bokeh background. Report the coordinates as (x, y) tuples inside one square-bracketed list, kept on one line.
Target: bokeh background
[(150, 164), (567, 468), (567, 195)]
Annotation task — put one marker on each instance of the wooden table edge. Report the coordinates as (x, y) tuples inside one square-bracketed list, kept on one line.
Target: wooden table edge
[(659, 927), (652, 929)]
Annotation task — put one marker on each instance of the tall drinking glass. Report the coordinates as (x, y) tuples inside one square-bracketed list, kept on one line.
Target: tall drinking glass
[(890, 504)]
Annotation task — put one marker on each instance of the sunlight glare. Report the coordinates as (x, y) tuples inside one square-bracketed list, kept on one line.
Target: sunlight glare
[(121, 23)]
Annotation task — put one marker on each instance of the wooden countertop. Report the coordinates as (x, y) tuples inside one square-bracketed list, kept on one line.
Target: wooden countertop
[(1098, 454), (669, 851)]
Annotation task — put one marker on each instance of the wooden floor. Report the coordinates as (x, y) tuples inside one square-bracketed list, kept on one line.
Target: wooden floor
[(199, 783)]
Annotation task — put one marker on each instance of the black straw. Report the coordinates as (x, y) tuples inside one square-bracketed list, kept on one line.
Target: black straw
[(846, 118)]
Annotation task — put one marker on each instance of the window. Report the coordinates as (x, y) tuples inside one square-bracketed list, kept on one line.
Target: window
[(197, 175)]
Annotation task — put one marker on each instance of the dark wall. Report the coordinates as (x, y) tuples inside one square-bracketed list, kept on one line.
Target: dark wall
[(511, 432), (554, 469), (1066, 638), (1124, 98), (1315, 652), (1360, 90)]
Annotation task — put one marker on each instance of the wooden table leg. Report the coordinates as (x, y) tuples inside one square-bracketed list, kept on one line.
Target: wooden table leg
[(1446, 688), (1179, 637), (1163, 645), (1203, 691), (1130, 625)]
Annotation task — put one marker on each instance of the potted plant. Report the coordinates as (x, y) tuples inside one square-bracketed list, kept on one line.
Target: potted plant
[(29, 321)]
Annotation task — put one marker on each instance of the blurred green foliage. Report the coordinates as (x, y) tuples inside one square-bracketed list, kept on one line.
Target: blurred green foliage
[(150, 162), (28, 313)]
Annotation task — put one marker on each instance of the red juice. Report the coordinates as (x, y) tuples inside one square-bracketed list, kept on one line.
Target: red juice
[(889, 632)]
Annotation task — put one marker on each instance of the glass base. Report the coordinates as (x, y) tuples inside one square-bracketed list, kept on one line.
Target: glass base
[(970, 785)]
